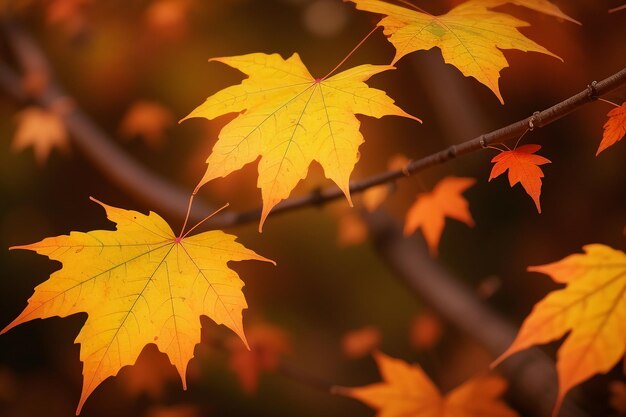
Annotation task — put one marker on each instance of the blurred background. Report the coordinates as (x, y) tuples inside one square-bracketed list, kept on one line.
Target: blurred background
[(137, 67)]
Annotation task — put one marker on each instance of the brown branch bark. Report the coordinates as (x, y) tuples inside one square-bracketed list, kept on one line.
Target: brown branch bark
[(531, 374), (513, 130)]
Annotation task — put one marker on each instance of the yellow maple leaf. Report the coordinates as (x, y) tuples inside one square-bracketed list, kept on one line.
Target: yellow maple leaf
[(469, 36), (407, 391), (591, 308), (43, 130), (139, 284), (542, 6), (290, 119)]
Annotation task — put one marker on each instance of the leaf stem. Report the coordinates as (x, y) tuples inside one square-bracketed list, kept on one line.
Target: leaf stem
[(520, 138), (205, 219), (350, 54), (608, 101), (182, 230)]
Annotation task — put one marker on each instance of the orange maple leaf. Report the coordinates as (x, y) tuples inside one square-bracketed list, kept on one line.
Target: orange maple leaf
[(426, 331), (43, 130), (139, 284), (614, 128), (591, 308), (407, 391), (148, 120), (431, 209), (361, 342), (267, 344), (523, 166)]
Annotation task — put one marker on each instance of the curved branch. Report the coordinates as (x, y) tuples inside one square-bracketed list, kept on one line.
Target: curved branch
[(538, 119), (98, 147)]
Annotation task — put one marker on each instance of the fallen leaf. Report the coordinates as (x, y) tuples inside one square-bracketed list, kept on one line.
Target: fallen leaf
[(591, 308), (290, 119), (267, 344), (523, 166), (431, 209), (352, 230), (42, 129), (139, 284), (361, 342), (425, 332), (407, 391), (469, 36), (614, 128), (148, 120)]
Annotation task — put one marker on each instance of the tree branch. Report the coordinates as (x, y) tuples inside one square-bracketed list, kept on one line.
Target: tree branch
[(539, 119), (138, 181), (96, 145), (531, 373)]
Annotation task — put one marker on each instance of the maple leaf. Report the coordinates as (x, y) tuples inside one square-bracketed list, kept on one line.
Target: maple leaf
[(591, 308), (42, 129), (614, 128), (407, 391), (542, 6), (148, 120), (291, 119), (469, 36), (431, 209), (359, 343), (139, 284), (523, 166), (352, 230), (375, 196), (426, 331)]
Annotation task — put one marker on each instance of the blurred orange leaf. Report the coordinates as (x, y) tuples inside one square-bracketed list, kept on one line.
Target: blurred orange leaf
[(358, 343), (523, 166), (139, 284), (431, 209), (168, 18), (352, 230), (407, 391), (42, 129), (469, 36), (148, 120), (375, 196), (291, 120), (426, 330), (591, 308), (397, 162), (267, 344), (614, 128)]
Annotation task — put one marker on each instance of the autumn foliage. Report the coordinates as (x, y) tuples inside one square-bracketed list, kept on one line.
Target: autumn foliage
[(171, 300)]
